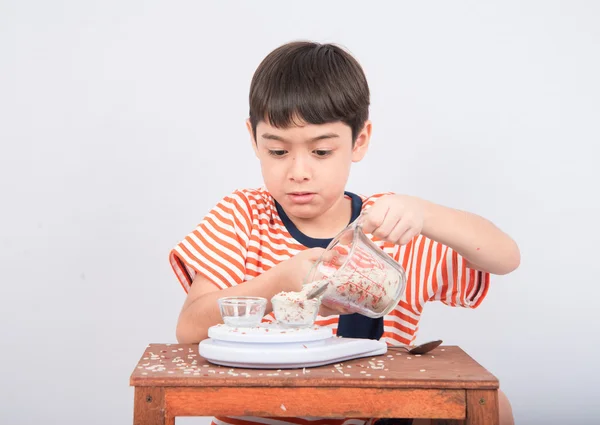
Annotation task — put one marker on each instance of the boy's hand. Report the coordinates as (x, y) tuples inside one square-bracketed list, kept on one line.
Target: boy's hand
[(296, 269), (395, 218)]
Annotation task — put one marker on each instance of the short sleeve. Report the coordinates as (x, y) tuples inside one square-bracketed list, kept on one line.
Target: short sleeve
[(369, 201), (217, 247), (454, 283), (436, 272)]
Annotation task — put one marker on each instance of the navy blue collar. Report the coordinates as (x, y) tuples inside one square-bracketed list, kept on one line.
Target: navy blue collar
[(307, 241)]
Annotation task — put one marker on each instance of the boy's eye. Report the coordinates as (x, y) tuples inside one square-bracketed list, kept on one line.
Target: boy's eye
[(277, 152), (321, 152)]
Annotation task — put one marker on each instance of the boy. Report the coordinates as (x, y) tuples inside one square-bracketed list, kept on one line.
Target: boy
[(309, 107)]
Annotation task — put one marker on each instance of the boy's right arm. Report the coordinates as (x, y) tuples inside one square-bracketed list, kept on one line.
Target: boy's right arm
[(200, 310)]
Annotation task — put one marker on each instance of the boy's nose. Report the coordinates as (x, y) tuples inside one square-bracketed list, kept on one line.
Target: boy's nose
[(299, 169)]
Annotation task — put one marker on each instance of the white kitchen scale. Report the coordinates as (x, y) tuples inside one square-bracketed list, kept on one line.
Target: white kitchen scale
[(269, 346)]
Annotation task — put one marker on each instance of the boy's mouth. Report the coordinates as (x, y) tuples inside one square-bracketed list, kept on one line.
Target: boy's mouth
[(301, 197)]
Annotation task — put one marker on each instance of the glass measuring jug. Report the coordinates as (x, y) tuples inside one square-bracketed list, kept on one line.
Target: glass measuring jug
[(355, 276)]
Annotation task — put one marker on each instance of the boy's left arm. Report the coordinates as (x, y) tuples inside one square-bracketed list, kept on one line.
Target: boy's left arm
[(399, 218)]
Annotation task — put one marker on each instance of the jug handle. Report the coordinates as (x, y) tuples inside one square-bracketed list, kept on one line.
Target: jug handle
[(358, 223)]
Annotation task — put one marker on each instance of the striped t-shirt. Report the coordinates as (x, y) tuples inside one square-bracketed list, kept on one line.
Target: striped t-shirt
[(247, 233)]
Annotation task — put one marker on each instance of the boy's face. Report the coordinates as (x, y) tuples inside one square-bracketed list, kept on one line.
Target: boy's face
[(306, 167)]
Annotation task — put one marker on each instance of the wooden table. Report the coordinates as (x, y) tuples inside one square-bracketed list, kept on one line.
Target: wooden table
[(173, 380)]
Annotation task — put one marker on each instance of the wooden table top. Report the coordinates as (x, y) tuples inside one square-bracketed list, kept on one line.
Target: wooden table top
[(446, 367)]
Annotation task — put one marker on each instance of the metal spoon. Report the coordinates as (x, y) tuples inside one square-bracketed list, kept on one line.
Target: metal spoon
[(419, 349), (315, 292)]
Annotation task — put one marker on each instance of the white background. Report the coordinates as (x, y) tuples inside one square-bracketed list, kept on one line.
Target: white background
[(122, 124)]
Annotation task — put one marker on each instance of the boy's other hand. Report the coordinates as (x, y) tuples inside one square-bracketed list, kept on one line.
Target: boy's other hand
[(297, 268), (395, 218)]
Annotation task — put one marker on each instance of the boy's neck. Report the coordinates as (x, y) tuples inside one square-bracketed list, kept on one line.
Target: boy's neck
[(328, 224)]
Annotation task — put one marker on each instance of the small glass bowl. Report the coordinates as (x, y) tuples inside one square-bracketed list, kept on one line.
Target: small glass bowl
[(291, 312), (242, 312)]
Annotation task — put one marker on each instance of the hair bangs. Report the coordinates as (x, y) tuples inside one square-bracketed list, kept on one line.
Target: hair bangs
[(307, 83)]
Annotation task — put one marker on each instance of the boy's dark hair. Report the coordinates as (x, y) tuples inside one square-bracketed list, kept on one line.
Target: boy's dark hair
[(309, 82)]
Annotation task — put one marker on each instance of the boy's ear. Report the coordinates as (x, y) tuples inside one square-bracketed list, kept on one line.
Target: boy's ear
[(361, 145), (254, 145)]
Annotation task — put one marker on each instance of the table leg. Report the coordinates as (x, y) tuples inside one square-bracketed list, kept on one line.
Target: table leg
[(482, 409), (149, 407)]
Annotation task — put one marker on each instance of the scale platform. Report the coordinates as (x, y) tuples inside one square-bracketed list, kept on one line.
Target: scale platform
[(269, 346)]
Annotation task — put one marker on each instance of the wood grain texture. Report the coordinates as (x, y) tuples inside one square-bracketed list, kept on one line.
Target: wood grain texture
[(149, 407), (482, 408), (444, 368), (316, 402)]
